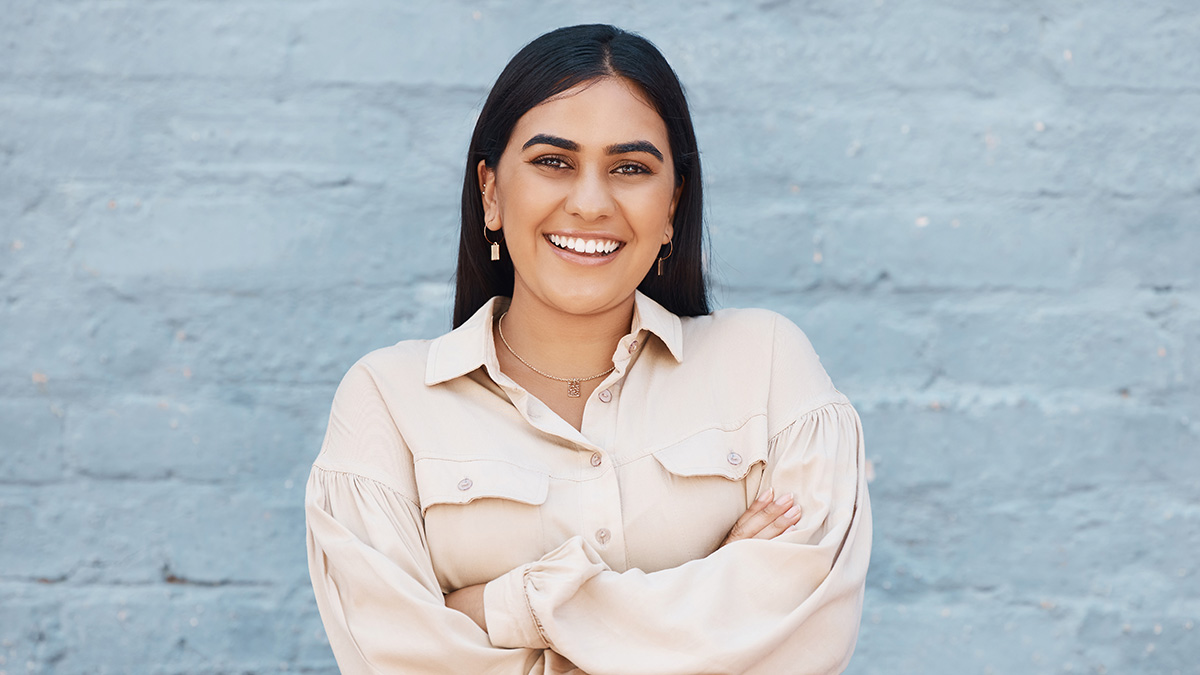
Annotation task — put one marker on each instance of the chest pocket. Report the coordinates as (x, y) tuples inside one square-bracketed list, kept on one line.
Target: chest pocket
[(710, 479), (483, 517), (717, 452)]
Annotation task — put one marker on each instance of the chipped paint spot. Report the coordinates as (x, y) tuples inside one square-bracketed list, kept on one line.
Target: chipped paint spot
[(39, 378)]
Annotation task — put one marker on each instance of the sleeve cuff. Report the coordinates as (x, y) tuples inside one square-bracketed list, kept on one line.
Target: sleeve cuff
[(510, 621)]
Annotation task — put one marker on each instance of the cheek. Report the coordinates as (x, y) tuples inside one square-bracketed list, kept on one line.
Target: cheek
[(650, 210), (527, 200)]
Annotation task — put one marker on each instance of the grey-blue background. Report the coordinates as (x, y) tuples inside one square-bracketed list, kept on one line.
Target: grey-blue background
[(984, 214)]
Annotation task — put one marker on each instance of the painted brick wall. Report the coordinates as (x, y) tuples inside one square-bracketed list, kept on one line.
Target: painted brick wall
[(984, 214)]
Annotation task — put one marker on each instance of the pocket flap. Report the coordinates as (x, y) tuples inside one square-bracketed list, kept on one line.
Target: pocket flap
[(715, 452), (453, 481)]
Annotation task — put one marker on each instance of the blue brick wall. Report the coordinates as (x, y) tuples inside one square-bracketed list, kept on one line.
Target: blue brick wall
[(983, 213)]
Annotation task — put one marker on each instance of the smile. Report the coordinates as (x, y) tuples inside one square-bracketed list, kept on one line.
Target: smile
[(597, 247)]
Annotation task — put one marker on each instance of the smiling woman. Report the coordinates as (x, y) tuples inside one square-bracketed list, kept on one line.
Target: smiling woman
[(583, 168), (629, 483)]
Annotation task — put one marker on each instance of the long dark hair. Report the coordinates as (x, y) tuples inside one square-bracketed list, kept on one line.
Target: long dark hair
[(552, 64)]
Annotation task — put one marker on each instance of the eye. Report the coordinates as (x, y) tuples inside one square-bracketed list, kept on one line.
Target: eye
[(551, 161), (631, 169)]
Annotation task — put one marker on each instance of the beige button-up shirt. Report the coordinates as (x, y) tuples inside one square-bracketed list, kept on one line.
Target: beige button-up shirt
[(599, 546)]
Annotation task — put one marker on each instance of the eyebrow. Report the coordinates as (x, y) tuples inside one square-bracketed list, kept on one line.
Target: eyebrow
[(614, 149), (634, 146), (547, 139)]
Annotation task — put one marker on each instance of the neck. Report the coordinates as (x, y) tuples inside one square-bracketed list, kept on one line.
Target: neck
[(562, 344)]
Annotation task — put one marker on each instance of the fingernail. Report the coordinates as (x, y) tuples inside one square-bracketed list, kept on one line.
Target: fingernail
[(792, 512), (784, 500), (766, 496)]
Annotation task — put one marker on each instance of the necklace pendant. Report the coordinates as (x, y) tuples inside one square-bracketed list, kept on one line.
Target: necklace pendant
[(573, 388)]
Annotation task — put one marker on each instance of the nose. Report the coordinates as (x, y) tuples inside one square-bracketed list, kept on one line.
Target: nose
[(590, 197)]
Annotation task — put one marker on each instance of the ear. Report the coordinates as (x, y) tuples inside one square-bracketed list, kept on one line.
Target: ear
[(670, 231), (487, 186)]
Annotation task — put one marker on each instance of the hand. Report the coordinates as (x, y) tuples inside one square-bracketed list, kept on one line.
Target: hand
[(469, 601), (766, 518)]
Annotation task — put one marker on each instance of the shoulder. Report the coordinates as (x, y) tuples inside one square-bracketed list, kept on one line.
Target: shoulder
[(767, 349), (757, 333), (401, 361), (379, 374), (363, 438)]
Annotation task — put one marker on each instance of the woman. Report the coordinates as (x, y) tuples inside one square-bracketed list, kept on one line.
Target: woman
[(591, 472)]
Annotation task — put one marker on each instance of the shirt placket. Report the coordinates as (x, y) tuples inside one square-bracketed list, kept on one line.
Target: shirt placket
[(602, 518)]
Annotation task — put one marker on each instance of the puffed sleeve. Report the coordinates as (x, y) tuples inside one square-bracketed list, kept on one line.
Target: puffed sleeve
[(376, 589), (787, 605)]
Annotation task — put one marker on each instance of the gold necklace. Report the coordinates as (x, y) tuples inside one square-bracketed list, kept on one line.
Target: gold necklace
[(572, 382)]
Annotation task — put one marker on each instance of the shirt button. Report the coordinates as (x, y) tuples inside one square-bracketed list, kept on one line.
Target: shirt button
[(603, 535), (734, 458), (605, 396), (596, 459), (633, 346), (465, 484)]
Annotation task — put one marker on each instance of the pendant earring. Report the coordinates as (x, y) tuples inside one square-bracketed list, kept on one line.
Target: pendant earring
[(670, 250), (495, 244)]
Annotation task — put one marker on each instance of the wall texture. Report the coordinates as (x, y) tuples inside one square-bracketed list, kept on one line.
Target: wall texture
[(984, 213)]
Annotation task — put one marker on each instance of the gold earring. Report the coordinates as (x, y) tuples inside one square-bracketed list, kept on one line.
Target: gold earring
[(668, 255), (495, 244)]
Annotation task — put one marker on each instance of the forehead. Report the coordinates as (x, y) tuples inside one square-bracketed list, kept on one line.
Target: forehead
[(600, 112)]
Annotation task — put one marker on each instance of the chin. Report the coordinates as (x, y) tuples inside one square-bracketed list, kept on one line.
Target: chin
[(588, 301)]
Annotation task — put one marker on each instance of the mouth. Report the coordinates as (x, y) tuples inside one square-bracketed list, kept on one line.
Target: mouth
[(597, 248)]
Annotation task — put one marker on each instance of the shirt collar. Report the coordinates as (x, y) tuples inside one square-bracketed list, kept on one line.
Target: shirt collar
[(470, 346)]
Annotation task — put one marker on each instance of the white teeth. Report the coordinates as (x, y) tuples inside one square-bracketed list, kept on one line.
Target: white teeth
[(580, 245)]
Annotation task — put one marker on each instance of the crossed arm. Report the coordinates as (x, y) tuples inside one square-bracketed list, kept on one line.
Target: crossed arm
[(766, 518)]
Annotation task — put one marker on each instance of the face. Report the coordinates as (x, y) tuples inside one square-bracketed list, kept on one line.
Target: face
[(584, 192)]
